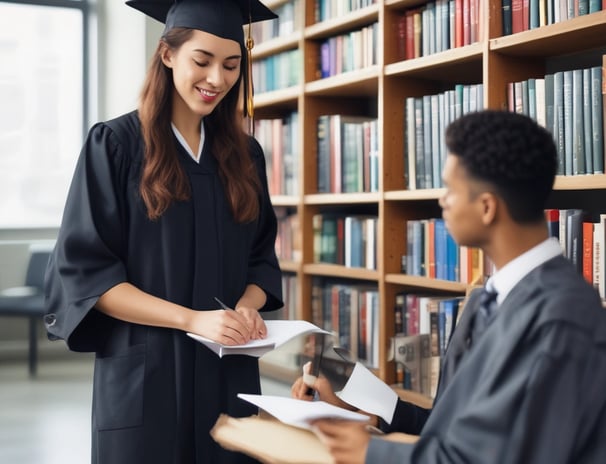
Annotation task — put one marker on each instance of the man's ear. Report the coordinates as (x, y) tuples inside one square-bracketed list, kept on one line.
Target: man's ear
[(490, 205)]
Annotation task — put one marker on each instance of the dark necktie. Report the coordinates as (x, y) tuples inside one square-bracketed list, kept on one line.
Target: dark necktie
[(487, 306)]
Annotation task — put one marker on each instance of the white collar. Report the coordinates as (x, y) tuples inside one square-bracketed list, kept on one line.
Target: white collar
[(514, 271), (184, 144)]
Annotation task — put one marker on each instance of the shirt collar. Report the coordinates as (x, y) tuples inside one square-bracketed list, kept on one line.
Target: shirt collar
[(184, 144), (514, 271)]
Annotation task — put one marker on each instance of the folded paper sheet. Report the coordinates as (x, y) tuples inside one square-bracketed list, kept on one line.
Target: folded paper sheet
[(278, 333), (299, 413), (367, 392)]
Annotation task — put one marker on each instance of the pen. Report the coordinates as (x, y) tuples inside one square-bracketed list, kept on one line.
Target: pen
[(223, 305)]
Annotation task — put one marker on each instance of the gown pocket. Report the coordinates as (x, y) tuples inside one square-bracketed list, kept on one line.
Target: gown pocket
[(118, 390)]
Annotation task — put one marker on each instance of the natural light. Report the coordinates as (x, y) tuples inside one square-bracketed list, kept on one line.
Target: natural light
[(41, 110)]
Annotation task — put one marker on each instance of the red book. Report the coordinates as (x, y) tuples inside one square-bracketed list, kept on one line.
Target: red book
[(517, 16), (458, 23), (412, 320), (401, 27), (553, 222), (410, 35), (277, 157), (340, 241), (526, 14), (588, 252)]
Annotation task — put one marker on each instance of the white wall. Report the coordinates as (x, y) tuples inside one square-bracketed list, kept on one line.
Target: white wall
[(128, 38)]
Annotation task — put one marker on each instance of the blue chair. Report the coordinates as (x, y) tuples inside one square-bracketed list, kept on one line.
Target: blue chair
[(28, 301)]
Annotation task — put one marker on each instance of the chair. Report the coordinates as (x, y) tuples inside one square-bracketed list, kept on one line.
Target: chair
[(28, 300)]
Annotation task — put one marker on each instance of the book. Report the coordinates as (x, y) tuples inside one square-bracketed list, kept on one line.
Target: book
[(269, 440), (587, 245), (410, 352), (323, 154), (598, 105), (574, 238), (278, 333), (552, 217)]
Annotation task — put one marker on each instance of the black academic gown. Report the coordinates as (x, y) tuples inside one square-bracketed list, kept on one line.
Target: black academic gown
[(157, 392), (530, 390)]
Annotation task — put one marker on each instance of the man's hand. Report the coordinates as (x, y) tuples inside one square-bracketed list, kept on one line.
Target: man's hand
[(322, 387), (347, 441)]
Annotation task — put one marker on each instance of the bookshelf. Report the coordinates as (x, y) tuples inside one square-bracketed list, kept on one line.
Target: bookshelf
[(379, 90)]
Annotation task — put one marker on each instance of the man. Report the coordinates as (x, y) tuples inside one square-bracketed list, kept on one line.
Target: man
[(532, 387)]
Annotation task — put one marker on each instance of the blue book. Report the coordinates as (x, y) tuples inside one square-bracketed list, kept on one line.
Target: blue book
[(452, 259), (440, 234)]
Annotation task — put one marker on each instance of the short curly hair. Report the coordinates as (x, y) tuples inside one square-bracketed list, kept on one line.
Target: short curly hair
[(510, 151)]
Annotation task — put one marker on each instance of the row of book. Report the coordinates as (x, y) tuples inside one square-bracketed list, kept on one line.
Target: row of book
[(347, 240), (348, 154), (349, 52), (583, 240), (289, 296), (438, 26), (432, 252), (522, 15), (278, 71), (572, 105), (279, 139), (288, 243), (288, 21), (423, 327), (425, 120), (328, 9), (351, 313)]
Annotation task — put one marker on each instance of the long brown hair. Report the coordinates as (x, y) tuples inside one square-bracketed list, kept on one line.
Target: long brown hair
[(163, 179)]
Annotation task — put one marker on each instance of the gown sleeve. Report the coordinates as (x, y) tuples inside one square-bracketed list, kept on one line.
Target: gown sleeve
[(86, 261), (264, 269)]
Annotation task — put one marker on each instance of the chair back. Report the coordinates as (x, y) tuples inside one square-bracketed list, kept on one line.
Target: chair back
[(36, 268)]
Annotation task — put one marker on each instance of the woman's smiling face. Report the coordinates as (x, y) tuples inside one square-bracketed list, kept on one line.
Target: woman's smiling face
[(205, 68)]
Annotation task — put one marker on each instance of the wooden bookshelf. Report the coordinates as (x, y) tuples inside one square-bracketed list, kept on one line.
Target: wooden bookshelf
[(380, 90)]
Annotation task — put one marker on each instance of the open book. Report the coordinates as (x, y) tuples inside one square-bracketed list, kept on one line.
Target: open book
[(278, 333)]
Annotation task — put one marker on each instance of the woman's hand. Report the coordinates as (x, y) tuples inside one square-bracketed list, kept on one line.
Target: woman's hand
[(223, 326), (254, 321)]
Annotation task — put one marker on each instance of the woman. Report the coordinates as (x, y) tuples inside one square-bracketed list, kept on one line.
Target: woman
[(168, 213)]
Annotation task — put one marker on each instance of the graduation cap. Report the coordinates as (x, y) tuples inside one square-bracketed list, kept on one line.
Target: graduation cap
[(223, 18)]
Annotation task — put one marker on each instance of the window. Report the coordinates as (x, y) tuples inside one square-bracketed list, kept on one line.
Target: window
[(44, 104)]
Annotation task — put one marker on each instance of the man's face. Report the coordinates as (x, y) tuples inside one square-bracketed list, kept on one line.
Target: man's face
[(462, 204)]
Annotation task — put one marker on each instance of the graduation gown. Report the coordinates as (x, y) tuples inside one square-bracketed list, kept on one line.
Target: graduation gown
[(156, 391), (530, 390)]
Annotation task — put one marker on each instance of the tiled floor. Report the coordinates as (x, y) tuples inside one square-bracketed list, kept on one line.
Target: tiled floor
[(46, 420)]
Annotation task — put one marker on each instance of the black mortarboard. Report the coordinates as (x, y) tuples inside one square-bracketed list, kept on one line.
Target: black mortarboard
[(223, 18)]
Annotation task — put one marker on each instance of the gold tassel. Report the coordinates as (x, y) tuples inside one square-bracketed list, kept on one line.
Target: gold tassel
[(250, 43)]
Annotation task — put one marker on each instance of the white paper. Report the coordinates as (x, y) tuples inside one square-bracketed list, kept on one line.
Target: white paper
[(278, 333), (367, 392), (300, 413)]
